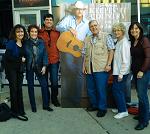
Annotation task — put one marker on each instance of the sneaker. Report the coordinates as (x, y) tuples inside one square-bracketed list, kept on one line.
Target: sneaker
[(114, 110), (121, 115)]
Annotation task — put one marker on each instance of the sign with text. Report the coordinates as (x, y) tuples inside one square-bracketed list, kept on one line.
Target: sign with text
[(110, 13), (30, 3)]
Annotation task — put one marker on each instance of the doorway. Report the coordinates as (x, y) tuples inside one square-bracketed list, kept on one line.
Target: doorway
[(6, 22)]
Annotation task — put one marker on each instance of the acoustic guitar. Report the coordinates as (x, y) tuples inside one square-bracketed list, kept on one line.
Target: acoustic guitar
[(69, 44)]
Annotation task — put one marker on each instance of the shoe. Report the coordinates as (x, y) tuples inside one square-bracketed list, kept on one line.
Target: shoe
[(136, 117), (121, 115), (34, 110), (48, 109), (22, 117), (19, 116), (141, 126), (90, 109), (56, 103), (101, 113), (114, 110)]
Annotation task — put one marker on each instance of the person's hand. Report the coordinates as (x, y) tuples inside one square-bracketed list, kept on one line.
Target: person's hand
[(23, 59), (84, 70), (73, 31), (43, 71), (120, 77), (140, 74), (107, 68)]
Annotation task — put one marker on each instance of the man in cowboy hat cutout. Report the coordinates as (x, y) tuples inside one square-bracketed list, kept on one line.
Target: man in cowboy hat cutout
[(71, 67)]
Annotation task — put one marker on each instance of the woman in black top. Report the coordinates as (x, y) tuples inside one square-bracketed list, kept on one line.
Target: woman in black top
[(14, 60), (140, 52)]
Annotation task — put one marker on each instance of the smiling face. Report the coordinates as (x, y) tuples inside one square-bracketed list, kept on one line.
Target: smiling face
[(33, 33), (78, 12), (48, 22), (118, 33), (135, 31), (19, 33), (94, 27)]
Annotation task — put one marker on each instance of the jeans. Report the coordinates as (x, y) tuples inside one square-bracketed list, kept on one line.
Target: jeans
[(96, 88), (118, 93), (142, 89), (128, 88), (43, 83), (53, 71), (72, 80)]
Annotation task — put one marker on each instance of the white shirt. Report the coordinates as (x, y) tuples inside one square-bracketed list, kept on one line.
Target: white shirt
[(122, 58), (70, 22)]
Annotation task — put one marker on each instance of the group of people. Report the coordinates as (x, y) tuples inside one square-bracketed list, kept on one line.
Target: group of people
[(36, 53), (100, 53), (39, 53)]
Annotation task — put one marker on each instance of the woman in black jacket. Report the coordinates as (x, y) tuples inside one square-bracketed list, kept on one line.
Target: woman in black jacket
[(14, 60)]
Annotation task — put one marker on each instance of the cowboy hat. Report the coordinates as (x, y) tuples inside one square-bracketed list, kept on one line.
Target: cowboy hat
[(79, 5)]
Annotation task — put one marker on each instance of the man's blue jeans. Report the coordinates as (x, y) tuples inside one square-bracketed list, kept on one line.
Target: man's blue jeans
[(118, 92), (142, 89), (53, 71), (96, 87)]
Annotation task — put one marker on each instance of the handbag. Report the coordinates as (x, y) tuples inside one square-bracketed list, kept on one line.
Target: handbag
[(5, 112)]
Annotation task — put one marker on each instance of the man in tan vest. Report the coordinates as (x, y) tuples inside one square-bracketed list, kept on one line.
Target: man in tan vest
[(99, 50)]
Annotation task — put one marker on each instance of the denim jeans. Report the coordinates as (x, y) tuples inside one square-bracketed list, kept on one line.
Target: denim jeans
[(127, 89), (43, 83), (96, 88), (142, 89), (72, 80), (118, 93), (53, 71)]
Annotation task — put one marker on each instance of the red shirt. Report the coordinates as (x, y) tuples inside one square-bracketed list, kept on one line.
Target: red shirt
[(50, 43)]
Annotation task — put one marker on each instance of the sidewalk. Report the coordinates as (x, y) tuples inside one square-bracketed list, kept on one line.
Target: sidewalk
[(68, 121)]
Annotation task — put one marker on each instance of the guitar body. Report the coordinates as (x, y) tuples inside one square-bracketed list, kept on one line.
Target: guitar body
[(69, 44)]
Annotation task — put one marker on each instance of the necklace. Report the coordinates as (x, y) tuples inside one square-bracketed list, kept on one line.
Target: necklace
[(19, 44)]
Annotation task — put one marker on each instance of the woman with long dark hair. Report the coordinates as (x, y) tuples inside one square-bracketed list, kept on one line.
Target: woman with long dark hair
[(140, 52), (14, 60)]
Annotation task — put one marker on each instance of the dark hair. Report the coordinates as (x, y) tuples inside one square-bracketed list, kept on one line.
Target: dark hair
[(48, 16), (32, 26), (132, 39), (12, 35)]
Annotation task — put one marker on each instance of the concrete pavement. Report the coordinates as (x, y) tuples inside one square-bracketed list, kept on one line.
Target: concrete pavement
[(67, 120)]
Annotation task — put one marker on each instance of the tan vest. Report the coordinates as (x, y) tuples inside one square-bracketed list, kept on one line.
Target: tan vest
[(97, 54)]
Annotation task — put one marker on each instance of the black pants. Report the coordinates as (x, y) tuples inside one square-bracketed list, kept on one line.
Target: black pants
[(15, 79)]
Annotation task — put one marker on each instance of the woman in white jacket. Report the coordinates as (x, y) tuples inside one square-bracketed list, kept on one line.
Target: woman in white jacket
[(121, 69)]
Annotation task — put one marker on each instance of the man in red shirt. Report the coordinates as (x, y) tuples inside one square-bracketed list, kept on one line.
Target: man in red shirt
[(50, 37)]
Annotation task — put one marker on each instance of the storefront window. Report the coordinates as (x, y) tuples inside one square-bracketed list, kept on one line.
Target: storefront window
[(27, 19), (145, 16)]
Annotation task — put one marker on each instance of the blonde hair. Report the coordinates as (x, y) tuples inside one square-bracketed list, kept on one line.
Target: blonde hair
[(119, 26)]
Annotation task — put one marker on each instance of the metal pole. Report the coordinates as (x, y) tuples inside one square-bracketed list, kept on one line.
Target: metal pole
[(138, 9)]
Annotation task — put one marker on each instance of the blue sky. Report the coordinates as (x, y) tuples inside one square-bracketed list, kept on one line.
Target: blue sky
[(58, 2)]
